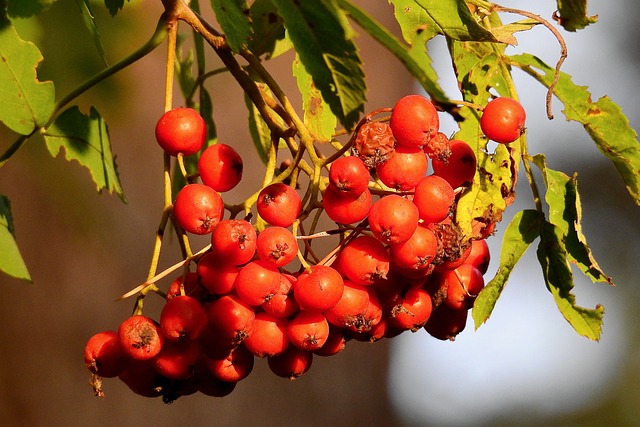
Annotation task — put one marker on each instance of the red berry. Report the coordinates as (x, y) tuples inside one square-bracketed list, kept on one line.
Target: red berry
[(319, 288), (292, 363), (140, 337), (308, 330), (463, 285), (104, 356), (393, 219), (231, 319), (344, 208), (404, 169), (235, 366), (503, 120), (349, 175), (257, 282), (413, 310), (351, 308), (183, 318), (198, 208), (216, 276), (181, 131), (269, 335), (434, 198), (417, 252), (364, 260), (479, 256), (279, 204), (276, 246), (414, 120), (234, 240), (220, 167), (460, 168), (282, 304), (446, 323), (177, 360)]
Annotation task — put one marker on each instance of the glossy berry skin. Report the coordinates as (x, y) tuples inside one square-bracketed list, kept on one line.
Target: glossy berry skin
[(140, 337), (460, 168), (352, 307), (231, 319), (276, 246), (292, 363), (349, 175), (220, 167), (308, 330), (434, 198), (414, 120), (479, 255), (257, 282), (503, 120), (393, 219), (364, 260), (345, 208), (104, 356), (463, 285), (198, 208), (234, 240), (177, 360), (319, 288), (234, 367), (181, 131), (413, 310), (269, 335), (183, 318), (282, 304), (404, 169), (416, 253), (279, 204), (215, 275)]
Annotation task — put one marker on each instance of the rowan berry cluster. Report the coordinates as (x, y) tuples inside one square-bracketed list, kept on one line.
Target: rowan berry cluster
[(401, 262)]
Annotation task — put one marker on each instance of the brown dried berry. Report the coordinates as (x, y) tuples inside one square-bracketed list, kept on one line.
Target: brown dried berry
[(373, 143), (438, 147)]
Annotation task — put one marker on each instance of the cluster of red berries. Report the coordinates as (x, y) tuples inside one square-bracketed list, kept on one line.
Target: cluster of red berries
[(402, 262)]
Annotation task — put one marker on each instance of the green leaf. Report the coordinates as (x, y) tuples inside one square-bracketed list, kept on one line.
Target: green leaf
[(234, 19), (269, 36), (11, 261), (86, 140), (90, 23), (504, 33), (413, 20), (565, 212), (603, 120), (114, 6), (317, 115), (25, 102), (414, 57), (453, 19), (479, 70), (26, 8), (553, 256), (321, 35), (521, 232), (572, 14)]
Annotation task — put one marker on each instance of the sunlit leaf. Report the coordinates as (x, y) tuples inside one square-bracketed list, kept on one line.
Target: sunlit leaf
[(317, 115), (322, 37), (25, 102), (413, 20), (11, 261), (558, 277), (269, 36), (86, 140), (504, 33), (234, 19), (572, 14), (453, 19), (521, 232), (603, 120), (565, 212), (90, 23), (413, 56)]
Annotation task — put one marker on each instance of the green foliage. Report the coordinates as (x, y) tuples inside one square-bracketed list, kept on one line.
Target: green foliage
[(26, 102), (86, 140), (11, 261), (572, 14), (233, 17), (328, 69), (603, 120), (322, 38)]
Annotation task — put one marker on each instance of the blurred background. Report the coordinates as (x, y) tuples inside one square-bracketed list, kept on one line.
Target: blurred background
[(525, 366)]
